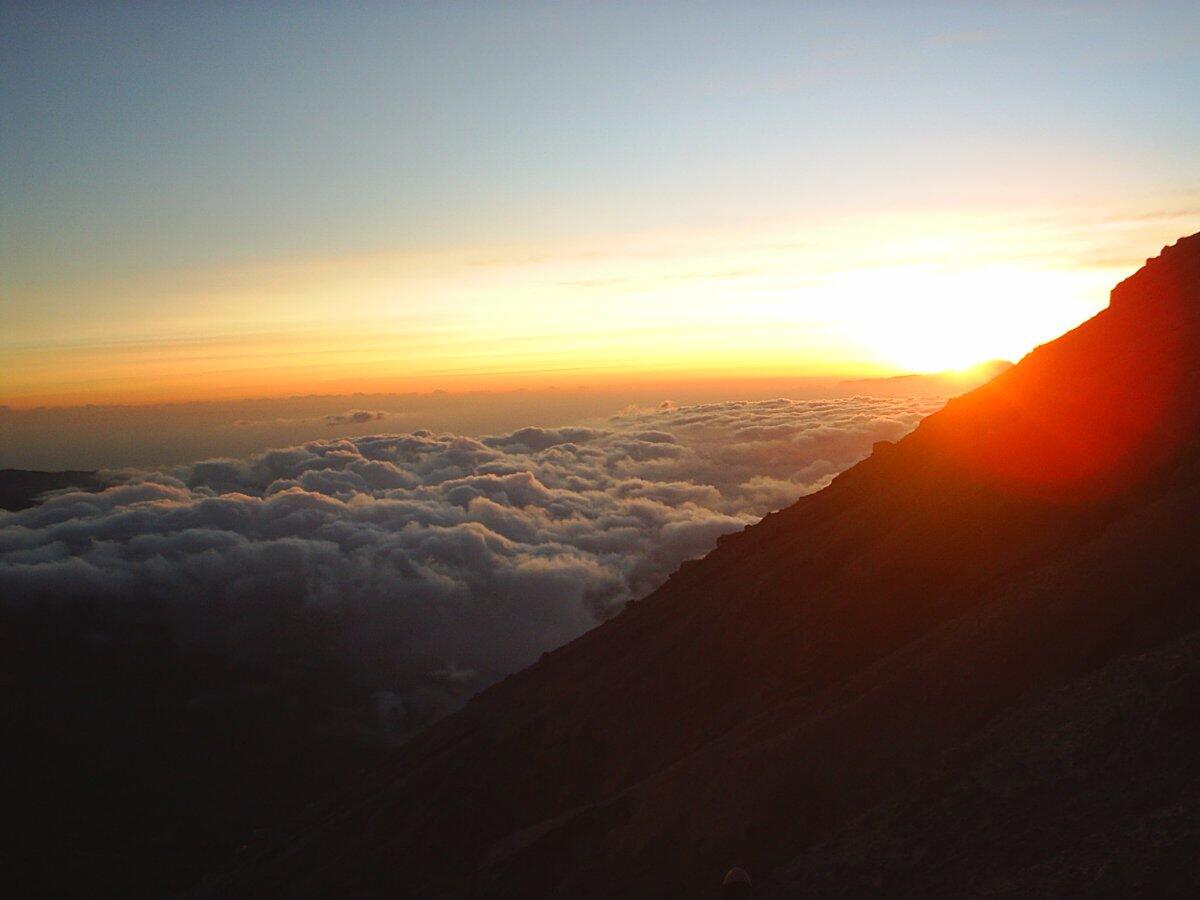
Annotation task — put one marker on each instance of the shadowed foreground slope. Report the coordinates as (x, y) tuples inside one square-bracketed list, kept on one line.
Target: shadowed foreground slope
[(969, 665)]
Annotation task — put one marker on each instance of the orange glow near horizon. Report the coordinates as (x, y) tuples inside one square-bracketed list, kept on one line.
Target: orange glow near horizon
[(858, 297)]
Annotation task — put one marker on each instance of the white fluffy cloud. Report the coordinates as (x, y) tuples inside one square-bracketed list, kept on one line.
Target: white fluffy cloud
[(434, 564)]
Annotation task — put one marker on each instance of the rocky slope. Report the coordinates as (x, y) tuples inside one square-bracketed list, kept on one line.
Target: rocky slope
[(968, 666)]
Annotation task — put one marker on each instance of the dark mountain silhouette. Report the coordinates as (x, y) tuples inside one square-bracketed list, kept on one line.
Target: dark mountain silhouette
[(23, 488), (970, 665)]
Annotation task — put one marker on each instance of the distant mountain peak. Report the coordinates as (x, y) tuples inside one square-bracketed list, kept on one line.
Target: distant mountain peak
[(932, 384)]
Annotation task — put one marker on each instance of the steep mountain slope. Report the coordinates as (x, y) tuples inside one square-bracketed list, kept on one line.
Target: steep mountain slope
[(969, 665)]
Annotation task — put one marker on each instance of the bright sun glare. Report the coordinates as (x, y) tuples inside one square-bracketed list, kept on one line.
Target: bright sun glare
[(928, 319)]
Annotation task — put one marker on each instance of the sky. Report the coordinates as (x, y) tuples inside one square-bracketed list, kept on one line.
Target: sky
[(219, 201)]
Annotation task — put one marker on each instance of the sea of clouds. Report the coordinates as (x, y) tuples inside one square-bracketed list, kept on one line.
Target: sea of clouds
[(430, 565)]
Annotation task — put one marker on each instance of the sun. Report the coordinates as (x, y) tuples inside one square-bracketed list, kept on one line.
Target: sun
[(930, 345), (929, 319)]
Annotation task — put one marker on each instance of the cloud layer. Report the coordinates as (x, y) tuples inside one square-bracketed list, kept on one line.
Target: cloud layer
[(433, 564)]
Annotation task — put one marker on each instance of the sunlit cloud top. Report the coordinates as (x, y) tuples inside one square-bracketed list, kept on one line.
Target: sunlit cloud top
[(222, 201)]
